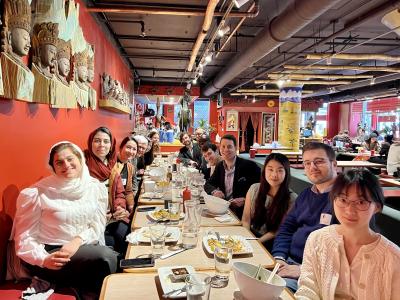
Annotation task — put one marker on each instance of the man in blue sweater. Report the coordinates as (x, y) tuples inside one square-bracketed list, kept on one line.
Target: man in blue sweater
[(312, 211)]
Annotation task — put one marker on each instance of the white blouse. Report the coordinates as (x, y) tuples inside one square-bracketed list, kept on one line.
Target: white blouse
[(42, 219)]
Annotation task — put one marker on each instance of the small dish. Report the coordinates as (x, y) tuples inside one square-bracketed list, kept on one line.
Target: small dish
[(172, 235), (161, 215), (167, 282)]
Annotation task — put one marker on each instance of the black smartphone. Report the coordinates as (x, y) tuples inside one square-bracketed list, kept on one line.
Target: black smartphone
[(149, 208), (137, 262)]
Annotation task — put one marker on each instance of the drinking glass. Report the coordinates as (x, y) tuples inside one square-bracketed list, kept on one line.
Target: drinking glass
[(198, 286), (223, 266), (174, 212), (157, 238)]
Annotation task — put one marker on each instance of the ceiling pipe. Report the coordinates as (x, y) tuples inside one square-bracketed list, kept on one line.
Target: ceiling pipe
[(349, 67), (354, 56), (267, 91), (355, 85), (296, 16), (372, 13), (164, 10), (321, 76), (380, 92), (254, 6), (320, 82), (212, 4)]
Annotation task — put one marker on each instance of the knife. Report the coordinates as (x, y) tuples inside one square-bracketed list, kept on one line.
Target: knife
[(172, 253)]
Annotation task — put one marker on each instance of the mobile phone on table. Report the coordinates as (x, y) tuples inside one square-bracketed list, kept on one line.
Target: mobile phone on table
[(149, 208), (142, 262)]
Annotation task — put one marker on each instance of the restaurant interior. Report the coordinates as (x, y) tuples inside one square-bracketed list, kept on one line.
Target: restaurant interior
[(275, 75)]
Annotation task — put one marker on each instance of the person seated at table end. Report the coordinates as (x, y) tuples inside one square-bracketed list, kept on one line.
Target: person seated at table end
[(268, 202), (371, 143), (59, 224), (212, 158), (311, 211), (190, 153), (233, 176), (350, 260)]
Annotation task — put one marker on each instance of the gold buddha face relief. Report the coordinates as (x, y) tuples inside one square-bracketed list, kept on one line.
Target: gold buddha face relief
[(82, 72), (20, 41), (47, 55), (64, 67)]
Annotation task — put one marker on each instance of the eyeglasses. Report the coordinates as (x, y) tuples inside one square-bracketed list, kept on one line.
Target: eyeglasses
[(317, 162), (361, 205)]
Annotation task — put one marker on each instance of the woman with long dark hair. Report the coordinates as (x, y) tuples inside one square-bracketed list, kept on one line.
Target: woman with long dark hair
[(127, 171), (101, 158), (268, 202)]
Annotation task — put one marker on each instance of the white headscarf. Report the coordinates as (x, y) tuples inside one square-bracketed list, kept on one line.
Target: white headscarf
[(61, 187)]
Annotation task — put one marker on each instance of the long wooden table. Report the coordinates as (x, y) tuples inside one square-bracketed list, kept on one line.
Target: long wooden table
[(147, 286), (197, 257), (141, 219), (358, 164), (390, 182)]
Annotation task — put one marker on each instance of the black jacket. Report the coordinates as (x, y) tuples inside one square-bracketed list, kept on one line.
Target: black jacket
[(185, 156), (247, 172)]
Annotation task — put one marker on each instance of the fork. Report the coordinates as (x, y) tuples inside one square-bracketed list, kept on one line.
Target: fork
[(170, 293)]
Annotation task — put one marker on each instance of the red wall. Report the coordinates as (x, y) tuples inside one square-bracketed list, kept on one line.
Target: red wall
[(333, 119), (247, 106), (28, 130)]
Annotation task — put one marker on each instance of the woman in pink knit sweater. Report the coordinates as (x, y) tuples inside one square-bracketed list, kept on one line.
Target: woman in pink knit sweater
[(350, 260)]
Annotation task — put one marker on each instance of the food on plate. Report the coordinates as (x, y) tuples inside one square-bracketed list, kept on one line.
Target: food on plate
[(228, 241), (179, 273)]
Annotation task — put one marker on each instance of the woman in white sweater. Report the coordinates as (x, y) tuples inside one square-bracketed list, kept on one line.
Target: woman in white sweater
[(60, 221), (350, 260)]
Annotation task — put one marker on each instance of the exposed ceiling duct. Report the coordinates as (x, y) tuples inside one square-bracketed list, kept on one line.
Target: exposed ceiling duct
[(349, 67), (354, 56), (297, 15), (321, 76), (355, 85), (320, 82)]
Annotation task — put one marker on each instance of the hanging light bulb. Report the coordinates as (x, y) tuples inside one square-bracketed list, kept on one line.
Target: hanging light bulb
[(194, 81), (208, 57), (240, 3), (372, 81), (223, 30), (254, 98), (280, 83)]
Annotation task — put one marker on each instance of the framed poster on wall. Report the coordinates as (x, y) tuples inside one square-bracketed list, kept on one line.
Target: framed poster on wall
[(268, 128), (232, 119)]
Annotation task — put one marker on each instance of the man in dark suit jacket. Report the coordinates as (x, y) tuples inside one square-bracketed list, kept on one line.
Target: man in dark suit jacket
[(233, 176), (190, 153)]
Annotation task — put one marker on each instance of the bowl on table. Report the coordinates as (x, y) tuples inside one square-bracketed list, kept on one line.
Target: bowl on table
[(257, 288), (216, 205)]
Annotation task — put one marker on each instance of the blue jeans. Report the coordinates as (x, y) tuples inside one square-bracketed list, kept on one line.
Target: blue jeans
[(291, 283)]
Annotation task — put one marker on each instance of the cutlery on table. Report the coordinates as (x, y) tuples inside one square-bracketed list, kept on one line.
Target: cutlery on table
[(172, 253)]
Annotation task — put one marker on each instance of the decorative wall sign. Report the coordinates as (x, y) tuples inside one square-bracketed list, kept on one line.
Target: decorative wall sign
[(268, 128), (232, 120)]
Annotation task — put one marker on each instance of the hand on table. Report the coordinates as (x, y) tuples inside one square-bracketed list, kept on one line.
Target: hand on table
[(218, 193), (56, 260), (237, 202), (288, 271)]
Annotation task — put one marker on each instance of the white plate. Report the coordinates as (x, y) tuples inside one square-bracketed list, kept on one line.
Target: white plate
[(167, 285), (143, 235), (246, 249), (206, 211), (150, 214), (152, 195)]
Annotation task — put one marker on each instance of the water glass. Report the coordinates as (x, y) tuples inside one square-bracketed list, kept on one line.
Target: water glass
[(198, 286), (174, 211), (157, 238), (223, 266)]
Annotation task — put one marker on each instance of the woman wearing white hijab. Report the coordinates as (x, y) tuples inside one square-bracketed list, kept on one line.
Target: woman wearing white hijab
[(60, 221)]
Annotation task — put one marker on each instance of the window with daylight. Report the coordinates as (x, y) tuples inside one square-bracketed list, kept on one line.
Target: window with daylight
[(201, 112)]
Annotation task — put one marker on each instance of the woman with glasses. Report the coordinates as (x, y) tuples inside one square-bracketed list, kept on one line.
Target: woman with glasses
[(268, 202), (101, 158), (350, 260)]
